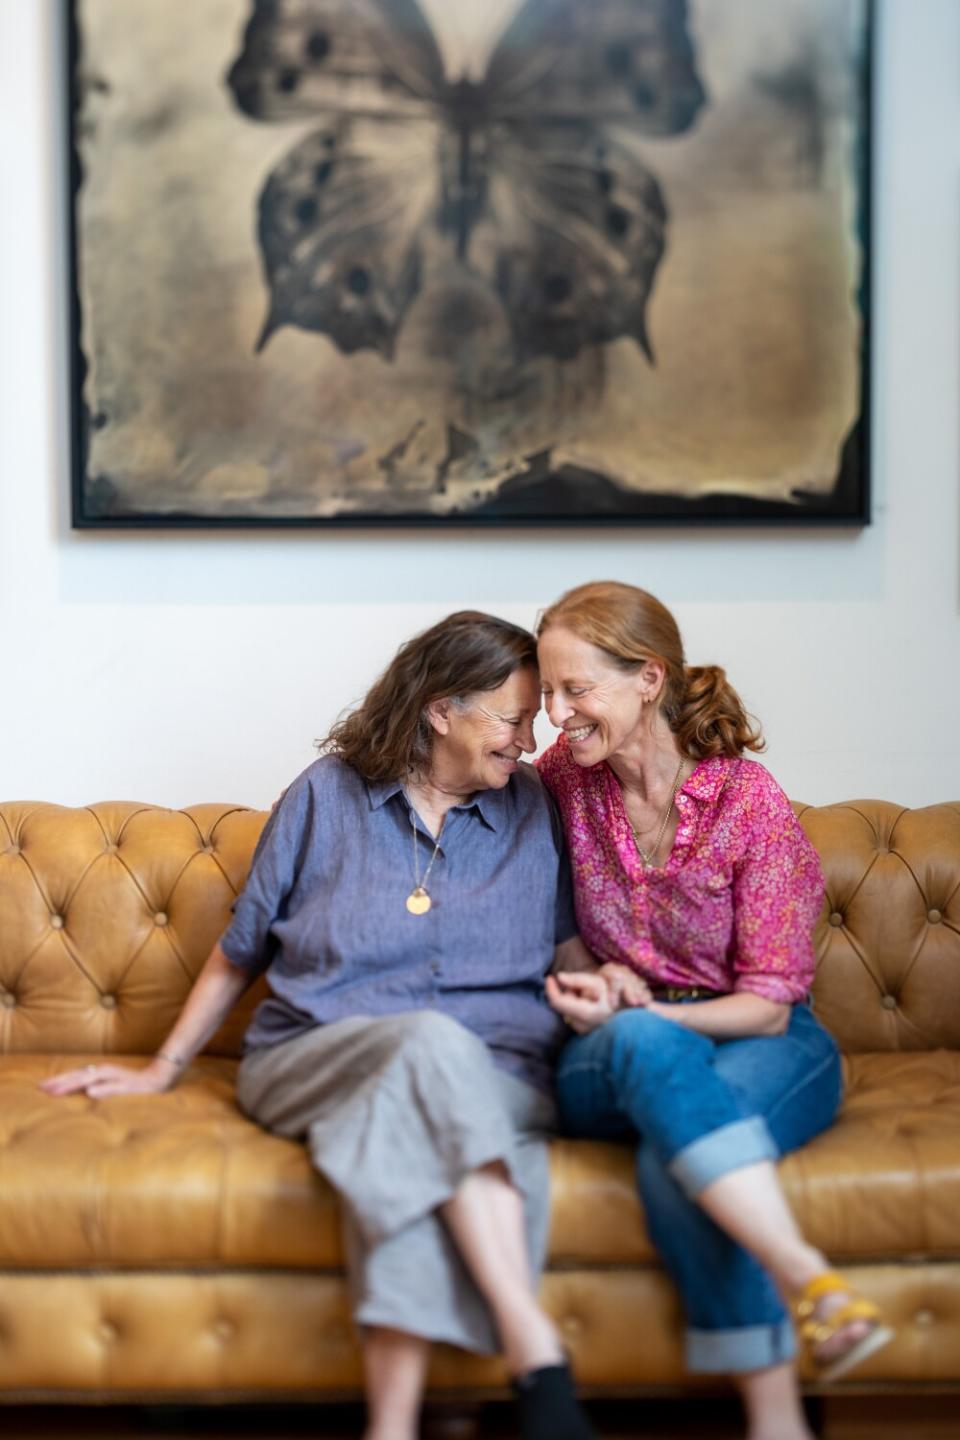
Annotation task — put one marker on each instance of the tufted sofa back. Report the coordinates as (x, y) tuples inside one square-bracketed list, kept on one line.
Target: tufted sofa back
[(108, 912), (888, 940)]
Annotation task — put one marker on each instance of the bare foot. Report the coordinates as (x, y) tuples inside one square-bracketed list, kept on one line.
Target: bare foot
[(844, 1339), (840, 1327)]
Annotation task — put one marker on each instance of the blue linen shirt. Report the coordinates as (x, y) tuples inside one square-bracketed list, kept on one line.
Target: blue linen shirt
[(324, 913)]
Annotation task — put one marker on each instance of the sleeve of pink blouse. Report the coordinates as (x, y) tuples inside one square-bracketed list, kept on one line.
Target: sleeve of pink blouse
[(777, 894)]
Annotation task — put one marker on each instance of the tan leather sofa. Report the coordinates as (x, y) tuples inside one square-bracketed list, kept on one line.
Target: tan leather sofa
[(164, 1247)]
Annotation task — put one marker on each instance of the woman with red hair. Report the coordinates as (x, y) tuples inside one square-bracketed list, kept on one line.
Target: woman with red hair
[(697, 891)]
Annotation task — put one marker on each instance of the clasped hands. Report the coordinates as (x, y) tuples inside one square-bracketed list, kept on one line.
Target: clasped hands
[(588, 998)]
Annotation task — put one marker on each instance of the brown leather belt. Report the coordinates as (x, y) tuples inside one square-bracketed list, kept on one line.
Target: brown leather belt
[(683, 992)]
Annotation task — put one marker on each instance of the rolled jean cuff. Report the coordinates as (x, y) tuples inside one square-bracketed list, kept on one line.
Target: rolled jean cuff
[(737, 1352), (742, 1142)]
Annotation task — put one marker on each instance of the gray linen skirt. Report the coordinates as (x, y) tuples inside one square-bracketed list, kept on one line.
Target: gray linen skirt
[(395, 1112)]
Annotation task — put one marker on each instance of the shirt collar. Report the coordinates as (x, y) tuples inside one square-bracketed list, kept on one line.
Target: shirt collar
[(490, 804), (706, 780), (380, 791)]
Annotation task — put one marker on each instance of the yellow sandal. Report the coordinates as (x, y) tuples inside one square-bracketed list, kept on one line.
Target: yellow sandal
[(816, 1330)]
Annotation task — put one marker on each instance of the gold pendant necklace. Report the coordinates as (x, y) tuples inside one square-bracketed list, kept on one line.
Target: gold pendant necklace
[(649, 859), (418, 901)]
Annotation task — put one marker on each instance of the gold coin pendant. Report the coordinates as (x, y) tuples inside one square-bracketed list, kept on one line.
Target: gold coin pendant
[(418, 901)]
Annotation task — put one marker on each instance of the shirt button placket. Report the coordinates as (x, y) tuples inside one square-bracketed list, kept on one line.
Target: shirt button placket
[(435, 951), (431, 948)]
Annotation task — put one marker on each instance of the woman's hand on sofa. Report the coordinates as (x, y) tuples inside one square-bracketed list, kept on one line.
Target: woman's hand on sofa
[(103, 1080), (215, 991)]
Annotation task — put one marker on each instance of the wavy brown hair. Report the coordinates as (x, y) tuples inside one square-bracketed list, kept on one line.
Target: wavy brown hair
[(388, 736), (631, 627)]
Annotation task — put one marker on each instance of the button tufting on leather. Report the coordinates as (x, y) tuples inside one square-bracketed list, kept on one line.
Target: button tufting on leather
[(889, 1002), (224, 1329), (13, 849), (923, 1317), (56, 921), (160, 918), (110, 849), (109, 1002), (207, 850), (934, 916), (7, 1000), (571, 1326), (108, 1331), (836, 918)]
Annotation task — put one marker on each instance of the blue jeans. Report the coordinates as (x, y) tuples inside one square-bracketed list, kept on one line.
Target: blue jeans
[(702, 1108)]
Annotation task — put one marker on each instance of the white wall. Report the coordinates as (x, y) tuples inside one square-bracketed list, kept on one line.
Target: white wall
[(176, 668)]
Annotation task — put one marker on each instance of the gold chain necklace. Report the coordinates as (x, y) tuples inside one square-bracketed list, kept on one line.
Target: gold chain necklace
[(418, 901), (649, 858)]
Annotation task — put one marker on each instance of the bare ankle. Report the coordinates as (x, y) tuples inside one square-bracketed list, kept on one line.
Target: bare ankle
[(388, 1431), (531, 1341), (799, 1431), (797, 1270)]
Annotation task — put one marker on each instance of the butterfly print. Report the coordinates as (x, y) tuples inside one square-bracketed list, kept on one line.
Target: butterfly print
[(528, 175)]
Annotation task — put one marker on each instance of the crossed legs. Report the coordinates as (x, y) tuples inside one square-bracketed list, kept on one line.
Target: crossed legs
[(440, 1159), (485, 1218), (711, 1119)]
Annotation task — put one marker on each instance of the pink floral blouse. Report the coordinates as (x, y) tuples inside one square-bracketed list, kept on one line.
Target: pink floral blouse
[(733, 907)]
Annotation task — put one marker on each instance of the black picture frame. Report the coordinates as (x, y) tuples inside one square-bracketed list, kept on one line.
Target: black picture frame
[(540, 493)]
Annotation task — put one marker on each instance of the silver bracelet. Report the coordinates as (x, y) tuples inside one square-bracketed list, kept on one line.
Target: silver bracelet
[(172, 1059)]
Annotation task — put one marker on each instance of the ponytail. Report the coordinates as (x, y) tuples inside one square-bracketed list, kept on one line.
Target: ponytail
[(709, 717)]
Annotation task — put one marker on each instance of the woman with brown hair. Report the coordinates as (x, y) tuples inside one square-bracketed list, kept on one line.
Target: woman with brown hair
[(691, 869), (408, 895)]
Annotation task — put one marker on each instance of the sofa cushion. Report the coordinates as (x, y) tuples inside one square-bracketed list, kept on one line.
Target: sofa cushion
[(184, 1179), (181, 1179)]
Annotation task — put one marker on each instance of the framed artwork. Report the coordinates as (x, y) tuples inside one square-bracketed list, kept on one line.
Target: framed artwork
[(347, 262)]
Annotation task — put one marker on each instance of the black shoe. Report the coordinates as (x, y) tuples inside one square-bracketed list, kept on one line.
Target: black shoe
[(549, 1409)]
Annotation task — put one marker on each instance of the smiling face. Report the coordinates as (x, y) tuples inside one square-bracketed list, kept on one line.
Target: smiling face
[(478, 743), (600, 707)]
